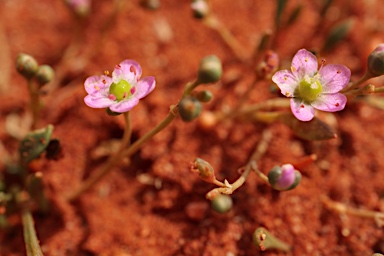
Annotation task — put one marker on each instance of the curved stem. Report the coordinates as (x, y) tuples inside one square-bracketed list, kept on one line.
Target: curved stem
[(212, 22), (368, 75), (123, 152), (251, 165)]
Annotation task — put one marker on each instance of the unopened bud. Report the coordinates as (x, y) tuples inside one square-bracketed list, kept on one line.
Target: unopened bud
[(205, 170), (150, 4), (222, 203), (26, 65), (284, 177), (44, 74), (263, 239), (189, 108), (80, 7), (200, 8), (376, 61), (210, 70), (269, 65), (203, 96)]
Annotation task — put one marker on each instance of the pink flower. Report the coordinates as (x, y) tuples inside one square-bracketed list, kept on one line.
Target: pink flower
[(121, 92), (310, 88)]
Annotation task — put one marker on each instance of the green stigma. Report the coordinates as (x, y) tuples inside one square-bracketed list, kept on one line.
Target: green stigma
[(309, 89), (121, 90)]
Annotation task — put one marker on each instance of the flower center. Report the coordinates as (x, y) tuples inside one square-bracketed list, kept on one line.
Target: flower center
[(120, 90), (309, 88)]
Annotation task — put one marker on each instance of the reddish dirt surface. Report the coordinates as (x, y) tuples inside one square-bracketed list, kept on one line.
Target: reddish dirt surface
[(124, 215)]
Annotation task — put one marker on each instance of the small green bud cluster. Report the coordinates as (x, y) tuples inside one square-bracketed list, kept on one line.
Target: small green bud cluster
[(28, 67)]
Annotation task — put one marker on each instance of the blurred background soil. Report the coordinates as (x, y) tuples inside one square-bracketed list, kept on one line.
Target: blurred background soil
[(156, 205)]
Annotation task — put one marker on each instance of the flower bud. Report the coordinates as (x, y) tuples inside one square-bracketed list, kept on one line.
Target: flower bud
[(210, 70), (222, 203), (26, 65), (284, 177), (151, 4), (80, 7), (203, 96), (263, 239), (200, 8), (269, 65), (376, 61), (44, 74), (189, 108), (205, 170)]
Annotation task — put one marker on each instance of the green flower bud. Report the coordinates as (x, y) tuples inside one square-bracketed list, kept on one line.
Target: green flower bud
[(210, 70), (44, 74), (26, 65), (376, 61), (203, 96), (189, 108), (263, 239), (205, 170), (222, 203)]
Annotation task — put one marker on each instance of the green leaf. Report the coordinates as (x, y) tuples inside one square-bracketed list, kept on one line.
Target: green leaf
[(338, 33), (311, 130), (34, 144)]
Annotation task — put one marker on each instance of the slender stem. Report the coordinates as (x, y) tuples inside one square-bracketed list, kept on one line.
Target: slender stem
[(173, 113), (190, 87), (379, 90), (35, 103), (250, 111), (343, 209), (212, 22), (251, 165), (123, 152), (368, 75), (30, 239), (126, 140)]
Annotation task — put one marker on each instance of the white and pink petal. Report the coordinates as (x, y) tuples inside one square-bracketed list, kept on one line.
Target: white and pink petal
[(330, 102), (144, 87), (334, 78), (286, 81), (97, 84), (304, 63), (302, 110), (124, 105), (128, 70), (98, 101)]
